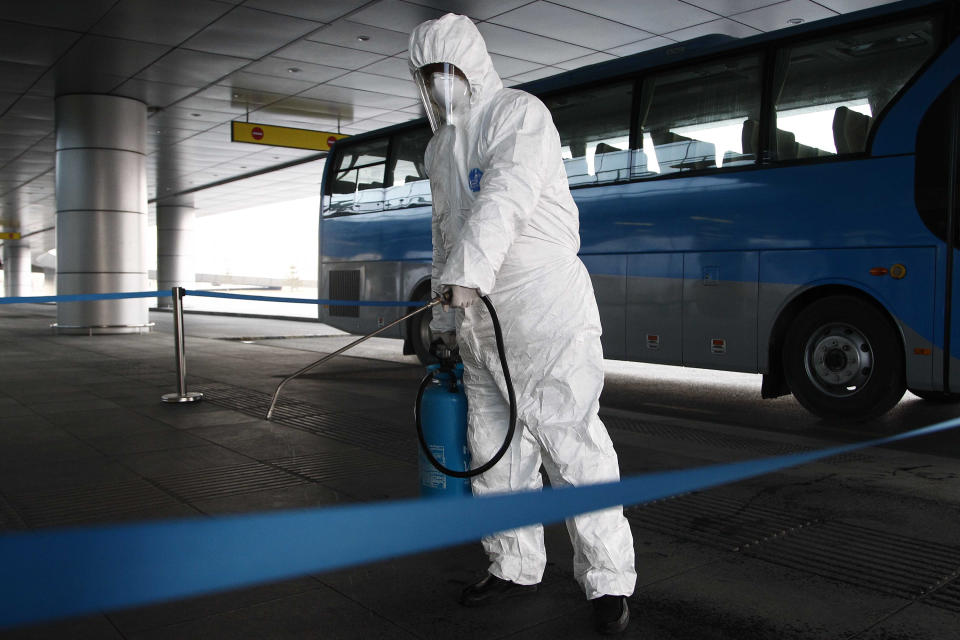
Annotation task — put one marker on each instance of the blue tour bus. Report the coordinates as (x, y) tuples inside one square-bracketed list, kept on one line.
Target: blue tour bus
[(784, 204)]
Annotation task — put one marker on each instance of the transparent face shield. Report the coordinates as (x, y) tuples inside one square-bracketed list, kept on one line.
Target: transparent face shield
[(445, 92)]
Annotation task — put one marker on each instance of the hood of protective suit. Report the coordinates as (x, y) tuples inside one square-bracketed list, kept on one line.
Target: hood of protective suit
[(455, 40)]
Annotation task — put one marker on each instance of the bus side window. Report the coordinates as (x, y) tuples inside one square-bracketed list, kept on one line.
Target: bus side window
[(701, 117), (594, 127), (358, 175), (829, 92), (407, 182)]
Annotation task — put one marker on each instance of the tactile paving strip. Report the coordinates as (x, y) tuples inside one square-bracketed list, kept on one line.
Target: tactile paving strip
[(99, 503), (876, 560), (335, 465), (353, 429), (726, 441), (233, 480)]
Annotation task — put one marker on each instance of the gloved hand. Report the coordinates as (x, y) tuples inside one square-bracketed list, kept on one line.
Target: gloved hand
[(459, 297)]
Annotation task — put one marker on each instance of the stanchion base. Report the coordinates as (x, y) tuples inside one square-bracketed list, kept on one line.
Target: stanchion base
[(190, 396)]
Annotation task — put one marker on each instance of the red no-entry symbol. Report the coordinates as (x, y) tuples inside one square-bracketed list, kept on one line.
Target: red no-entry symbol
[(256, 133), (331, 140)]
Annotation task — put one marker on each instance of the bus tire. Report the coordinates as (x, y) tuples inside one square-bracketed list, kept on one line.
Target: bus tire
[(843, 360), (940, 397), (418, 330)]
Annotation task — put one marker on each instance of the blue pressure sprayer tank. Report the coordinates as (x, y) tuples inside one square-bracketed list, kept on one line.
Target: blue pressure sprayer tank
[(443, 417)]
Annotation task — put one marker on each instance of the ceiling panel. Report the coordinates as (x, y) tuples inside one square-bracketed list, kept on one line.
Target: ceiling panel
[(547, 19), (16, 77), (394, 86), (846, 6), (29, 44), (64, 14), (358, 97), (272, 84), (328, 55), (777, 16), (191, 68), (730, 7), (159, 94), (113, 55), (655, 16), (391, 67), (527, 46), (478, 9), (395, 15), (167, 22), (317, 11), (346, 34), (294, 70), (249, 33)]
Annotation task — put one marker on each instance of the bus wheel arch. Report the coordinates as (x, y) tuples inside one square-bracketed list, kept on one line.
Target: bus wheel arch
[(841, 354), (417, 335)]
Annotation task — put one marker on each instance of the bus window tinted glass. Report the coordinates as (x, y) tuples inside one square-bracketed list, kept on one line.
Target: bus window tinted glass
[(594, 126), (357, 179), (700, 117), (408, 183), (829, 92)]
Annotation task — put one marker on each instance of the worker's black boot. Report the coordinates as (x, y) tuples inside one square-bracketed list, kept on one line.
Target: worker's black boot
[(490, 589), (611, 614)]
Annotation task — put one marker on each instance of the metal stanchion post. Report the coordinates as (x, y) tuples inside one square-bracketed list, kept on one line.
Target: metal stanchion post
[(182, 395)]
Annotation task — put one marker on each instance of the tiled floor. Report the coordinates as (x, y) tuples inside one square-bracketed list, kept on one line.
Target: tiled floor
[(84, 438)]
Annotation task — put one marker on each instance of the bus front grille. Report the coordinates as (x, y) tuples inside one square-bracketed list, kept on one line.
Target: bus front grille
[(345, 285)]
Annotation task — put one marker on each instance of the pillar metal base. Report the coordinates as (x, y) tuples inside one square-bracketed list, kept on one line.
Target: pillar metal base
[(189, 396)]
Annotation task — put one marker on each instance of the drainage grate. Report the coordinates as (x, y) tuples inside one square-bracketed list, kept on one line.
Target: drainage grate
[(717, 521), (115, 501), (709, 438), (348, 428), (336, 465), (877, 560), (227, 481)]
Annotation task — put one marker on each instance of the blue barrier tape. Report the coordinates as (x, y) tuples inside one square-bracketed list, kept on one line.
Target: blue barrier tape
[(86, 296), (347, 303), (54, 573), (207, 294)]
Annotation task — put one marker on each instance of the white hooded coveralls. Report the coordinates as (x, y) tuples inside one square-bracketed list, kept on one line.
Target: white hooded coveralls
[(504, 222)]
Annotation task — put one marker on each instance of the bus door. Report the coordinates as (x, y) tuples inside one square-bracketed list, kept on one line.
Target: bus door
[(951, 365), (937, 194)]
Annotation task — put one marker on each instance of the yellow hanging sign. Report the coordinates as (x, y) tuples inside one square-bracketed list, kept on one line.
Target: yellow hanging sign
[(9, 235), (275, 136)]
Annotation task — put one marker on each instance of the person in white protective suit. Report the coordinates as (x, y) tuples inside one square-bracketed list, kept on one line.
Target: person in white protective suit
[(505, 225)]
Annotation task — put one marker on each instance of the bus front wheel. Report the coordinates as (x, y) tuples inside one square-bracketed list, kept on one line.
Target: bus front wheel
[(420, 335), (842, 359)]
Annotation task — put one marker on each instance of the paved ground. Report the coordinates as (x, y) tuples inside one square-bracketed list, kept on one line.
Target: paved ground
[(863, 546)]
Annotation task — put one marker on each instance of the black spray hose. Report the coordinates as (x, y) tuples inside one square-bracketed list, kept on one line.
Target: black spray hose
[(510, 396)]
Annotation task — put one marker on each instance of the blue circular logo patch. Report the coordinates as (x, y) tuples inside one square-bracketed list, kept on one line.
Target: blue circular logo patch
[(475, 175)]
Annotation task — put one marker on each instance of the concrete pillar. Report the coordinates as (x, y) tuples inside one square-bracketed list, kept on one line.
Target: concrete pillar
[(101, 184), (175, 246), (49, 282), (16, 268)]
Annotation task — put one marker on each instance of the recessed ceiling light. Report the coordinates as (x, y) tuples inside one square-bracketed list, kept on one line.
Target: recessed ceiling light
[(236, 95), (294, 70), (363, 38), (795, 20), (195, 115)]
